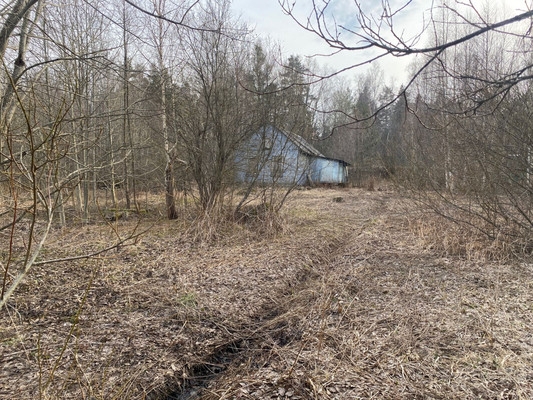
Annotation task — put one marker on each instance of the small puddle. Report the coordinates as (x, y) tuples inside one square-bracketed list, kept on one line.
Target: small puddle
[(200, 375)]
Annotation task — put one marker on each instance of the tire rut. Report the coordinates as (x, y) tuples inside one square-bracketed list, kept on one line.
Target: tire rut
[(267, 329)]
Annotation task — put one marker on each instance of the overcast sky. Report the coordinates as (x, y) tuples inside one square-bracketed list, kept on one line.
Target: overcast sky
[(268, 19)]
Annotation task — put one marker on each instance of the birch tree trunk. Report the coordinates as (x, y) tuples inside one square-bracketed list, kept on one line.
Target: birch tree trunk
[(170, 200)]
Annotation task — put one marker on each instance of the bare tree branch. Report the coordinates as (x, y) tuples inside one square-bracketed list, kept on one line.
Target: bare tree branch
[(17, 13), (373, 38), (180, 22)]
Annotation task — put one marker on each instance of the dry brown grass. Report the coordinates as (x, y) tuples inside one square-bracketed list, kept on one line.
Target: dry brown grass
[(462, 240), (352, 299)]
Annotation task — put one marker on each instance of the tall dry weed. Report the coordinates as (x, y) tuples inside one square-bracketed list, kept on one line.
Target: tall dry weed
[(252, 221), (459, 238), (262, 218)]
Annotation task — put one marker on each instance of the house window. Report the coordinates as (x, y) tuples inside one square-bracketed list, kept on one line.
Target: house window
[(277, 167), (253, 169), (268, 143)]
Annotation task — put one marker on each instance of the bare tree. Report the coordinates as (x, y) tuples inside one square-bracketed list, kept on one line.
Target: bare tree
[(161, 40), (465, 133), (372, 34), (50, 126), (213, 117)]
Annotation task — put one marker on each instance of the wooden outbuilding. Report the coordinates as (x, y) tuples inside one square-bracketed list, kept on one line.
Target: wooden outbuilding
[(272, 156)]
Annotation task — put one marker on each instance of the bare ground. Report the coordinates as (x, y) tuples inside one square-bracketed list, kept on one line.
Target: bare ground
[(350, 301)]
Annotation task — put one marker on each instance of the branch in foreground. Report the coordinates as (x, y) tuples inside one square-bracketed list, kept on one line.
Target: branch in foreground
[(131, 239)]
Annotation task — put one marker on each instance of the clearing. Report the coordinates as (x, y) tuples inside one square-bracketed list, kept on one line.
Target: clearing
[(351, 300)]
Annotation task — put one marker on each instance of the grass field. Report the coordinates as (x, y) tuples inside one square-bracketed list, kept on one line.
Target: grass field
[(360, 295)]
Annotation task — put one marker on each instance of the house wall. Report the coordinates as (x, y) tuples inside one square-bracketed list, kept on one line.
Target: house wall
[(270, 157), (328, 171)]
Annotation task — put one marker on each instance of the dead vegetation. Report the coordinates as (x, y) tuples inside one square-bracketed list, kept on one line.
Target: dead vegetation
[(363, 298)]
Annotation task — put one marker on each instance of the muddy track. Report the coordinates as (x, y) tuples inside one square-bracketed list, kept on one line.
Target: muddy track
[(270, 328)]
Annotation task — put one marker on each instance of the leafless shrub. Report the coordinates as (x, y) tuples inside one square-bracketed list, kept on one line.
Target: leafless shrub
[(263, 218)]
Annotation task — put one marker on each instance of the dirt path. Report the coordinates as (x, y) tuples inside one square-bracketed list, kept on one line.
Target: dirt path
[(346, 303), (384, 317)]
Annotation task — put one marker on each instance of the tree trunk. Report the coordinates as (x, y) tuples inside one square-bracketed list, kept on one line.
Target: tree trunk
[(169, 195)]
